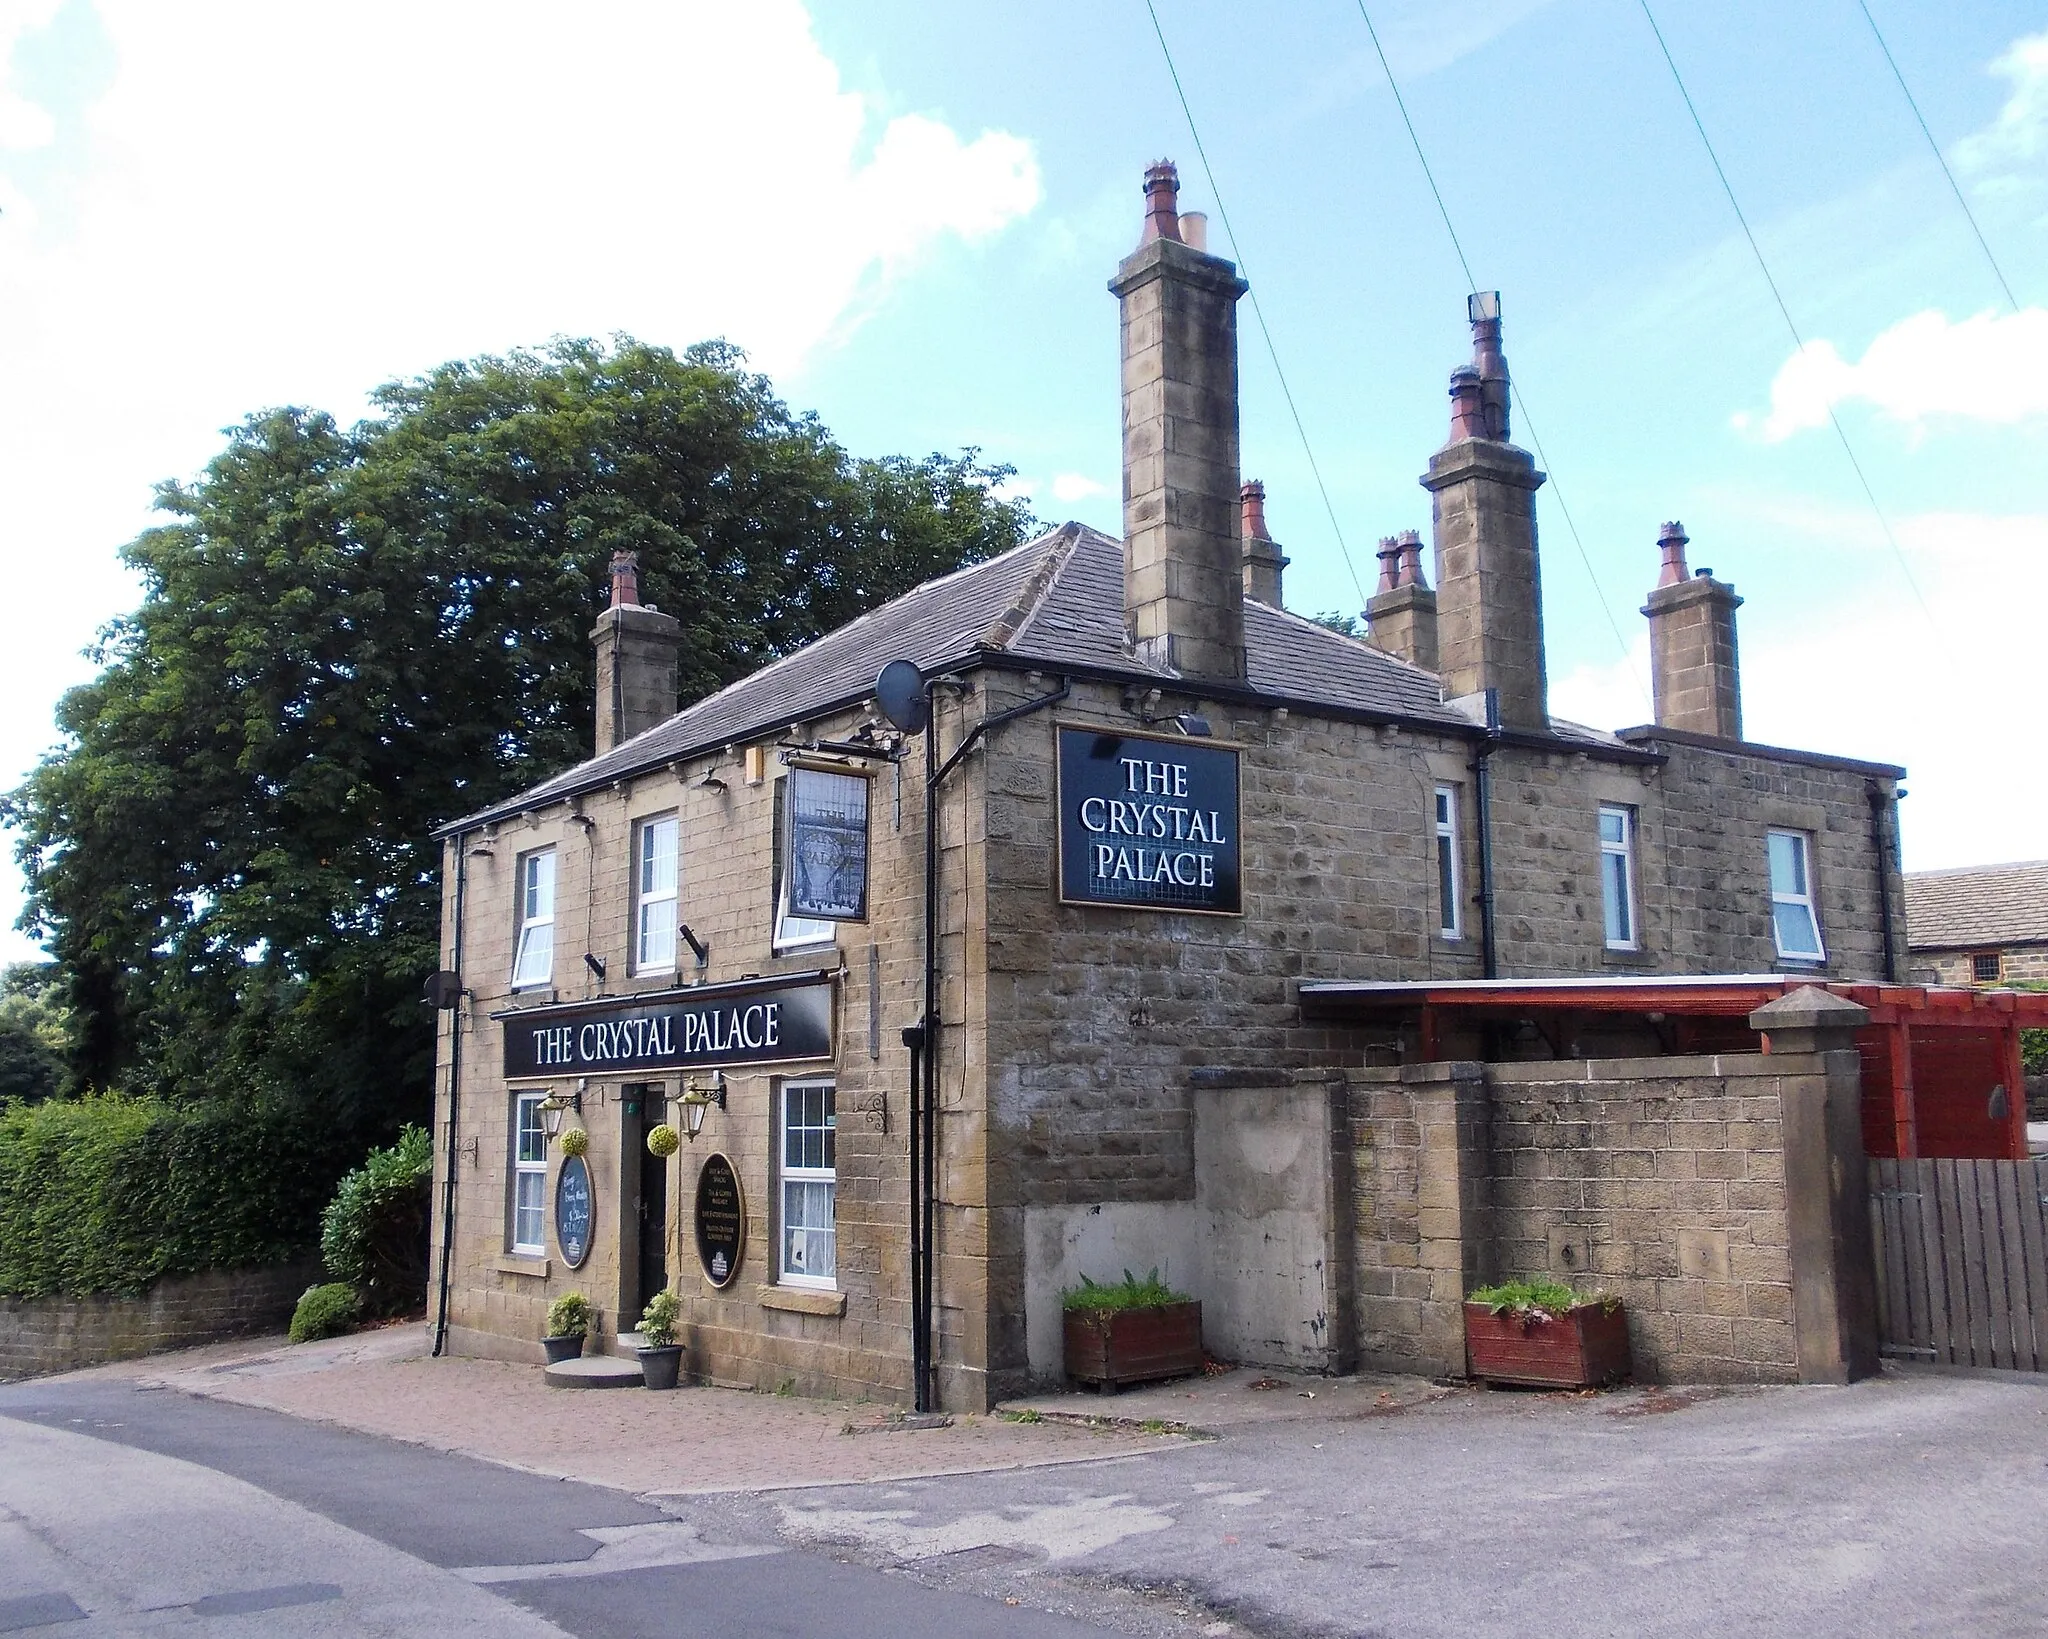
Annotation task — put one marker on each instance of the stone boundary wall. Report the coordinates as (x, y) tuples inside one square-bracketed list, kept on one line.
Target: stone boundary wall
[(1662, 1181), (43, 1335)]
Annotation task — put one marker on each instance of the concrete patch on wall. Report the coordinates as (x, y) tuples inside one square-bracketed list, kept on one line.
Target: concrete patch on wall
[(1063, 1243)]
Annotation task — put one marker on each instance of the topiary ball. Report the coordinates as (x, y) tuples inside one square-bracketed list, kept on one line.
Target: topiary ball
[(663, 1141), (576, 1141)]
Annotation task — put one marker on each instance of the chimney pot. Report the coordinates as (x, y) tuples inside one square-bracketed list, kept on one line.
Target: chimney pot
[(1671, 541), (1194, 230), (1263, 559), (1401, 615), (1162, 215), (1468, 410), (1411, 559), (625, 579), (1390, 564)]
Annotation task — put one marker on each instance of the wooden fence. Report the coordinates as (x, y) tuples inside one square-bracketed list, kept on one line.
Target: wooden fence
[(1962, 1261)]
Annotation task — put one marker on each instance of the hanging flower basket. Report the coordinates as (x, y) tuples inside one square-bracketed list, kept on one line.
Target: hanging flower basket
[(663, 1141), (576, 1141)]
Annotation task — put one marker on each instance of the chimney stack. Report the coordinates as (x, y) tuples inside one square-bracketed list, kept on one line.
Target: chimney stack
[(1695, 676), (638, 649), (1263, 559), (1401, 618), (1489, 598), (1184, 569)]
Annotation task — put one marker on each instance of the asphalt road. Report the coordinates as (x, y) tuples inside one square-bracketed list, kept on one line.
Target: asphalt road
[(1914, 1505)]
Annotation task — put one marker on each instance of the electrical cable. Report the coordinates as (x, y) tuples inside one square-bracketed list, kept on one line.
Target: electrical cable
[(1939, 158), (1515, 387), (1785, 312), (1258, 312)]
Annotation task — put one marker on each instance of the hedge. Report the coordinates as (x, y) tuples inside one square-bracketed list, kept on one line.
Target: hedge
[(109, 1193), (373, 1234)]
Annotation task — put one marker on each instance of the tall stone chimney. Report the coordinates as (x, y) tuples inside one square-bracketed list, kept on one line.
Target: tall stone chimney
[(1695, 676), (1263, 559), (1401, 618), (637, 650), (1483, 514), (1184, 572)]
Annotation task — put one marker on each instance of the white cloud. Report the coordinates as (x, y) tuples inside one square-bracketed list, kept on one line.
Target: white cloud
[(1988, 368), (1871, 677), (2018, 137), (281, 204), (1074, 486)]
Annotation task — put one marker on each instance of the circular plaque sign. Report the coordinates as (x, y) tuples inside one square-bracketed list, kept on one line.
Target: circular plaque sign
[(573, 1211), (721, 1220)]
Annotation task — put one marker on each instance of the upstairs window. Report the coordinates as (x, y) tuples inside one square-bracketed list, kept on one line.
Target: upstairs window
[(654, 893), (1794, 922), (1618, 877), (533, 959), (1447, 897)]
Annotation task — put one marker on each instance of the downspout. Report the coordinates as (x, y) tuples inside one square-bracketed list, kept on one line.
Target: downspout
[(1482, 794), (454, 1103), (924, 1160), (1879, 802)]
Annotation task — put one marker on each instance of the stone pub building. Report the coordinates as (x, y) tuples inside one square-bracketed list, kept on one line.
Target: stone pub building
[(1173, 811)]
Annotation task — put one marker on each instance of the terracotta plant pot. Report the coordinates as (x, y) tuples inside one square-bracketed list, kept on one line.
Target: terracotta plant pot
[(1583, 1348), (659, 1368), (1112, 1347), (566, 1347)]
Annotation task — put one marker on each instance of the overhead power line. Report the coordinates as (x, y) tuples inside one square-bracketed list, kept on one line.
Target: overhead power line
[(1515, 387), (1784, 312), (1940, 159), (1258, 312)]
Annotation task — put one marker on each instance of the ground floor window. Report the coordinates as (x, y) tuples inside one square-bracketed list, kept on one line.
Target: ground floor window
[(807, 1125), (529, 1174)]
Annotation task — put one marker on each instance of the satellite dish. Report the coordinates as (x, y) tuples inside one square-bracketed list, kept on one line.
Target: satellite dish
[(899, 691), (443, 990)]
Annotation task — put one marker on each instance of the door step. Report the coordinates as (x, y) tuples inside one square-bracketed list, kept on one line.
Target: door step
[(593, 1371)]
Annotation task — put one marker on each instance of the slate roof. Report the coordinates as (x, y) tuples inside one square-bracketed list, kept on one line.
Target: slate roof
[(1057, 601), (1977, 905)]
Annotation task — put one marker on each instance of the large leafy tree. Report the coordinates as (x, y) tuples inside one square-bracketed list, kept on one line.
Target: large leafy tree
[(348, 637)]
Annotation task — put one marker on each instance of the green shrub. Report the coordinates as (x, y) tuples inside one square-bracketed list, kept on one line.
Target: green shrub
[(1536, 1299), (569, 1316), (373, 1234), (1128, 1293), (325, 1311), (658, 1321), (109, 1193)]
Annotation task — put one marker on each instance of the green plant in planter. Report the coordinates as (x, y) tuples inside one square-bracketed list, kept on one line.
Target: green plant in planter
[(663, 1141), (576, 1141), (1128, 1293), (1538, 1299), (569, 1316), (658, 1320)]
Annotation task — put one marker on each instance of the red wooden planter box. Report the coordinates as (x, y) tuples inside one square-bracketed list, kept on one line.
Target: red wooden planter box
[(1112, 1347), (1582, 1349)]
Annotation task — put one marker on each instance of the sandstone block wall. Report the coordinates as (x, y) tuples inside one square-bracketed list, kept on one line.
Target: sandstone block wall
[(43, 1335)]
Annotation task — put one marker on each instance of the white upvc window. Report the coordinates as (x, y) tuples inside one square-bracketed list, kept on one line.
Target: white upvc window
[(529, 1174), (1448, 917), (1795, 918), (806, 1130), (654, 938), (1618, 877), (533, 959)]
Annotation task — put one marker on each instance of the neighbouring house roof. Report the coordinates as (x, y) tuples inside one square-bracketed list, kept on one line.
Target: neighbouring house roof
[(1054, 602), (1977, 905)]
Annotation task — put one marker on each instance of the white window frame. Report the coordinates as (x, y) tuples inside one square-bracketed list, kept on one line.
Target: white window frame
[(808, 1177), (654, 904), (1450, 921), (529, 1173), (1625, 851), (792, 932), (535, 911), (1807, 901)]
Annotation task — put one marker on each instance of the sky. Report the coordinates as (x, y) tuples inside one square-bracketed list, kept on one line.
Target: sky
[(907, 212)]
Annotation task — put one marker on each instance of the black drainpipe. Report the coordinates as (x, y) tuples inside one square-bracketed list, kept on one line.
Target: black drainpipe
[(454, 1102), (1482, 792), (924, 1148), (1879, 803)]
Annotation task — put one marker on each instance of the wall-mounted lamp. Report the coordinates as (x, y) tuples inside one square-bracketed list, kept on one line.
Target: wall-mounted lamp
[(697, 946), (1143, 704), (552, 1107), (695, 1099), (1193, 724), (595, 964)]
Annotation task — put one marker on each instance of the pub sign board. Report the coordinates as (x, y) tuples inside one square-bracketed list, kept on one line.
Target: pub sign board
[(721, 1221), (1148, 823), (766, 1021)]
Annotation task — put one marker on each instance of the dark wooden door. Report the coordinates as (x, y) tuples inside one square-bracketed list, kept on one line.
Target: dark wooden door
[(653, 1207)]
